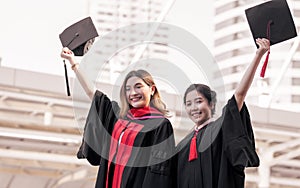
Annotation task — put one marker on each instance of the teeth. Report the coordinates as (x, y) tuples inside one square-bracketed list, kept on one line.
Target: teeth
[(134, 99), (195, 114)]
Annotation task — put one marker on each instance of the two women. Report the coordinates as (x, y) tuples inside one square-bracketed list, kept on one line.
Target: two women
[(214, 155)]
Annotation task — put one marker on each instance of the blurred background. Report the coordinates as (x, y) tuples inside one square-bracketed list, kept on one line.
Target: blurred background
[(39, 133)]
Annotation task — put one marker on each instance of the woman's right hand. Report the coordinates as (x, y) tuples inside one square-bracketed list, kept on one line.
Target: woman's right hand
[(66, 53)]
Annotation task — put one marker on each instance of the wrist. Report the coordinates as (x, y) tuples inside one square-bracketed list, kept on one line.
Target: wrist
[(74, 66)]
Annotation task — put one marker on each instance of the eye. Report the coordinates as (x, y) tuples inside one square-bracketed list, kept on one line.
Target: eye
[(188, 104), (198, 101), (138, 86), (127, 88)]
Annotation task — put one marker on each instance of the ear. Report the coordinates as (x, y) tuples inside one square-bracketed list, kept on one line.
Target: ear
[(212, 107), (152, 90)]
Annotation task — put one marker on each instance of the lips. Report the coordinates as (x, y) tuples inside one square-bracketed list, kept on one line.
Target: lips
[(196, 114), (135, 98)]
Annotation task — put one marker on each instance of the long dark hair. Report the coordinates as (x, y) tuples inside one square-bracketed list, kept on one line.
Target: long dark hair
[(155, 101), (205, 90)]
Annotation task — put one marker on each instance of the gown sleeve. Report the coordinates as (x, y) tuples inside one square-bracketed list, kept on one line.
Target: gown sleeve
[(160, 171), (98, 127), (238, 136)]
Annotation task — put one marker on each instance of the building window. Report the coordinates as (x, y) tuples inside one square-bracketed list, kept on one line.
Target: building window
[(296, 81), (296, 64), (295, 98)]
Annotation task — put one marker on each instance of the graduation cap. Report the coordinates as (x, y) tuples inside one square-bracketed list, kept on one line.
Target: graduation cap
[(78, 37), (271, 20)]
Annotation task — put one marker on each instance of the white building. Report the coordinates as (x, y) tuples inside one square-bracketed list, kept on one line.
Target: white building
[(234, 48), (40, 134)]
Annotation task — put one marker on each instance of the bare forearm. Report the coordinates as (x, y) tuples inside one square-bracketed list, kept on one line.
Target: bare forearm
[(66, 53), (86, 85), (247, 79)]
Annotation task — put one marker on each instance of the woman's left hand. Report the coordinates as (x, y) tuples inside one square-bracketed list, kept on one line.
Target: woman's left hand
[(264, 46)]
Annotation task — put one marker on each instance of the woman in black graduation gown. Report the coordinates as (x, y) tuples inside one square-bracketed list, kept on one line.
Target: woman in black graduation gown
[(132, 144), (215, 153)]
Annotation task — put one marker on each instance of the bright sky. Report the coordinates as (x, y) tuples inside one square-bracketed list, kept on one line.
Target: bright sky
[(29, 32), (29, 29)]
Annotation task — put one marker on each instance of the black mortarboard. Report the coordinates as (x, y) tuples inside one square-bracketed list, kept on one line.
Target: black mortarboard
[(271, 20), (77, 38), (77, 35)]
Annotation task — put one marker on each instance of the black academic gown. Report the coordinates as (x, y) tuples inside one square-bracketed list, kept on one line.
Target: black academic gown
[(225, 147), (143, 161)]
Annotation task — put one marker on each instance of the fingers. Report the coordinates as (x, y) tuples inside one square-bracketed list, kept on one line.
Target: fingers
[(263, 43), (66, 50), (66, 53)]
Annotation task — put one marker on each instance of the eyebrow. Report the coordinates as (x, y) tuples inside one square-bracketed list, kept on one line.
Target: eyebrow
[(138, 83), (199, 97)]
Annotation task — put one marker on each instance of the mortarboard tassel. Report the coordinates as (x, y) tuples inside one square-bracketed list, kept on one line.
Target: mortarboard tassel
[(264, 67), (65, 66), (193, 148), (67, 80)]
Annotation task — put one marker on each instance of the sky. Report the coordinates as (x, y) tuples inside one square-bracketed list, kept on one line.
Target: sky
[(29, 32), (30, 29)]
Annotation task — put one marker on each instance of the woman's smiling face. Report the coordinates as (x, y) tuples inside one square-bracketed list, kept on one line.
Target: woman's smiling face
[(197, 107), (138, 93)]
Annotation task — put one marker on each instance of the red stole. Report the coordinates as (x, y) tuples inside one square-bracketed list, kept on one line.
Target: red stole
[(144, 113), (121, 148)]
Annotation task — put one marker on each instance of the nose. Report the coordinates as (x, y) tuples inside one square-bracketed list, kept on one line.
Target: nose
[(194, 107), (131, 92)]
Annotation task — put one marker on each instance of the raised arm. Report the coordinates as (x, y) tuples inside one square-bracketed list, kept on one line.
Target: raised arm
[(66, 53), (244, 85)]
